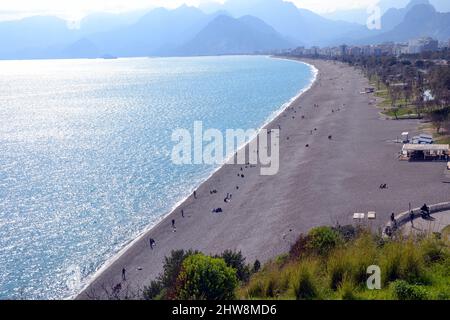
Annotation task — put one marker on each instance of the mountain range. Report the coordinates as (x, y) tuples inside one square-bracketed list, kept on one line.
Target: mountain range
[(235, 27), (418, 21), (237, 36), (360, 15)]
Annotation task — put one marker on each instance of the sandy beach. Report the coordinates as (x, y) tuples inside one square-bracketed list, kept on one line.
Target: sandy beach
[(323, 184)]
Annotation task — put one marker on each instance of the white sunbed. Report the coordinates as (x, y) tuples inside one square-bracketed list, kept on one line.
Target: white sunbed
[(372, 215), (359, 216)]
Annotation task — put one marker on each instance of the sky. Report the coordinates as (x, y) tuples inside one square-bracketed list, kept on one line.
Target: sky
[(76, 9)]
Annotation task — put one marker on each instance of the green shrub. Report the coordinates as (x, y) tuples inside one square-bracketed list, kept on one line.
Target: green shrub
[(270, 289), (337, 271), (281, 260), (285, 278), (412, 269), (236, 261), (323, 239), (391, 263), (405, 291), (433, 251), (347, 290), (256, 266), (348, 232), (300, 247), (445, 234), (443, 295), (360, 255), (304, 287), (402, 260), (165, 285), (270, 282), (153, 291), (359, 272), (206, 278), (172, 266), (255, 289)]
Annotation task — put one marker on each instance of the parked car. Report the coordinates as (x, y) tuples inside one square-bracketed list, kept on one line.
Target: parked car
[(423, 139)]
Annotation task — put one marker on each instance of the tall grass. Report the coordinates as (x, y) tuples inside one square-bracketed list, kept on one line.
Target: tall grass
[(303, 281), (347, 290), (403, 260), (417, 268)]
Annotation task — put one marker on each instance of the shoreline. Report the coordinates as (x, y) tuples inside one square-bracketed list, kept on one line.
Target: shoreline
[(321, 181), (272, 117)]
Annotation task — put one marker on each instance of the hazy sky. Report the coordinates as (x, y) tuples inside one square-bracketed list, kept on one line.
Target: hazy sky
[(75, 9)]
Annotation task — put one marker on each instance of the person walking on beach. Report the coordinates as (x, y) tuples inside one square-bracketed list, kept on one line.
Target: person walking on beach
[(393, 221), (182, 213), (411, 218), (152, 243), (195, 194), (173, 224), (124, 277)]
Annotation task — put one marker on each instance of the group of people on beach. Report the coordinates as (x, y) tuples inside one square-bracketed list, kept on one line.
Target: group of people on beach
[(425, 213)]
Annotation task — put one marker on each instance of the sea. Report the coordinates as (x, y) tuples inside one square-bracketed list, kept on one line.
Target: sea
[(86, 153)]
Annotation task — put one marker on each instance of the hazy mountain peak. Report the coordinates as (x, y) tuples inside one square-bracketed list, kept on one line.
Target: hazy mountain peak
[(420, 11), (228, 35), (40, 21), (393, 17), (185, 9), (413, 3), (421, 20)]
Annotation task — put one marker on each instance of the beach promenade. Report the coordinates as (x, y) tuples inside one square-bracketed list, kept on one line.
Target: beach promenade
[(322, 184), (437, 223)]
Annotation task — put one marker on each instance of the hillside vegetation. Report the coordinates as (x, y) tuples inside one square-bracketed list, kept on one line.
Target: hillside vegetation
[(332, 264), (326, 264)]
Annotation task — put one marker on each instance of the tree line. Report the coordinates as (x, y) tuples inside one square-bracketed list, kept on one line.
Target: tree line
[(417, 83)]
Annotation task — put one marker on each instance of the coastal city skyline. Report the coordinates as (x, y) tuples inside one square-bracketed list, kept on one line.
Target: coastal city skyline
[(413, 46)]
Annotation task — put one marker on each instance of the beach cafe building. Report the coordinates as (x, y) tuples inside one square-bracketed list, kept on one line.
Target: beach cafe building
[(424, 152)]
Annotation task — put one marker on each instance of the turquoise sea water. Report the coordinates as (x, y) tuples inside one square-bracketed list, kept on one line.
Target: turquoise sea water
[(85, 149)]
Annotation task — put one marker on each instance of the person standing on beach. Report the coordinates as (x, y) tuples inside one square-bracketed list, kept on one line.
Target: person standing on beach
[(173, 224), (182, 213), (411, 218), (195, 194), (152, 243), (124, 277), (393, 221)]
